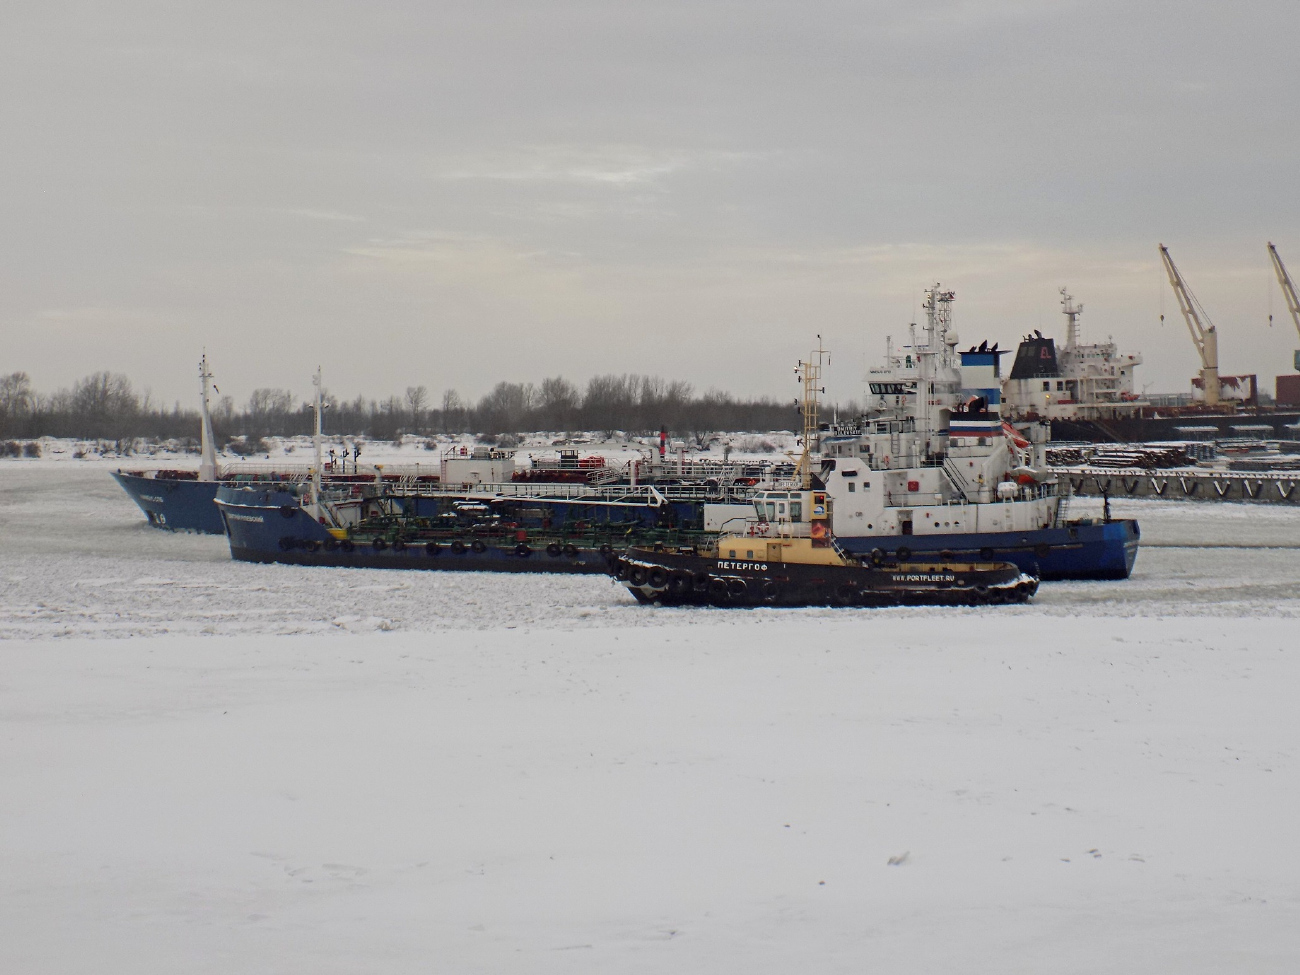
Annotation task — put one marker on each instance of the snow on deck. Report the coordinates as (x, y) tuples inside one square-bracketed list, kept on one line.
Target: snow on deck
[(378, 771)]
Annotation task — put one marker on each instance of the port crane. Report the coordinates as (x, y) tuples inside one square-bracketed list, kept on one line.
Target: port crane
[(1288, 289), (1204, 336)]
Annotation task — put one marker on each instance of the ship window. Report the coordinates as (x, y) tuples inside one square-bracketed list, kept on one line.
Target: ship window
[(749, 554), (731, 553), (852, 487), (796, 511), (1059, 385), (1047, 387), (780, 507)]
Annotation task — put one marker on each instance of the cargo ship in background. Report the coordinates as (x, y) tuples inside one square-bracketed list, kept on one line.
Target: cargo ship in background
[(184, 500), (1086, 392), (181, 500)]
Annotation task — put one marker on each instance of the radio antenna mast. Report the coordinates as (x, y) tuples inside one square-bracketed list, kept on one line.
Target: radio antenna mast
[(810, 374)]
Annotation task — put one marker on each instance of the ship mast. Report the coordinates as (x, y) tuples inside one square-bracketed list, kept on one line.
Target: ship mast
[(810, 374), (1204, 337), (1288, 289), (938, 319), (316, 445), (207, 449), (1072, 313)]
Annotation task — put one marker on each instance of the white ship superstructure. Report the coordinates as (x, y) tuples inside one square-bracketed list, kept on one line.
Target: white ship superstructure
[(931, 457), (1080, 382)]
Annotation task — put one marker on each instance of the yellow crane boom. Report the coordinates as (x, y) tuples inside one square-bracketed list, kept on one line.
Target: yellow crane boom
[(1204, 337), (1288, 289)]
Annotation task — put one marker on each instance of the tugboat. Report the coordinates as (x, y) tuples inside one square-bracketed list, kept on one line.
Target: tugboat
[(788, 556), (797, 562)]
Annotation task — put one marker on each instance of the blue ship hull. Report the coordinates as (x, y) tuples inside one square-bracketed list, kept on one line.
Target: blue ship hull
[(271, 526), (1084, 551), (175, 504)]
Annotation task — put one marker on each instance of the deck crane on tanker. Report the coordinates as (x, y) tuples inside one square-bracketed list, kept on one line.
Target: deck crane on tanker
[(1204, 336), (1288, 289)]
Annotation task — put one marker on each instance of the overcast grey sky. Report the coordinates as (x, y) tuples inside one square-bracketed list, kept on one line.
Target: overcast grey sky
[(449, 194)]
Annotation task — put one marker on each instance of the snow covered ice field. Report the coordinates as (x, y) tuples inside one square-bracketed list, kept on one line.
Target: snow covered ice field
[(211, 767)]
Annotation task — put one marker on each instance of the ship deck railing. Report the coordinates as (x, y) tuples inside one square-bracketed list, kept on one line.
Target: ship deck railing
[(304, 471), (651, 494)]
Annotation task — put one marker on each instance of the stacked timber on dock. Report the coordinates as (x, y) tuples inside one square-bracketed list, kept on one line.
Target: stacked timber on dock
[(1144, 456)]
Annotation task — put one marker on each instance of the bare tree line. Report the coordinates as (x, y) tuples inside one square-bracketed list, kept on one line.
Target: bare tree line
[(107, 405)]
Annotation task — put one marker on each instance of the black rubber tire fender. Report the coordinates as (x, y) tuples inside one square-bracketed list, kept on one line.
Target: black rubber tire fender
[(378, 544), (522, 550), (399, 545), (554, 550), (679, 584), (736, 588), (606, 550), (571, 551), (657, 578), (637, 575), (903, 553), (846, 594), (986, 554), (947, 555), (771, 591), (458, 547), (347, 545), (287, 511), (478, 545), (718, 590), (432, 548), (877, 556)]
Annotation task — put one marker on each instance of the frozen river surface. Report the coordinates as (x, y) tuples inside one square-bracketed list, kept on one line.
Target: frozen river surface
[(272, 769), (77, 559)]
